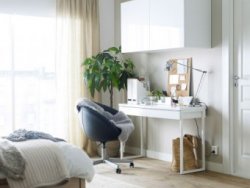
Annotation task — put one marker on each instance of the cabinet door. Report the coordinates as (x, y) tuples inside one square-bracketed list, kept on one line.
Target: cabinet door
[(166, 24), (135, 26)]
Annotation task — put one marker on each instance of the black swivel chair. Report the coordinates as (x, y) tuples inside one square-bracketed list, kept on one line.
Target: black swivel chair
[(99, 128)]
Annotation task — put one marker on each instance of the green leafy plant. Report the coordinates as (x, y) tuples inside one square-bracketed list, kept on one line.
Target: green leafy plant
[(107, 70), (156, 93)]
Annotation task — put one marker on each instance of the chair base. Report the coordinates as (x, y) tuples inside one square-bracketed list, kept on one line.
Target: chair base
[(113, 162)]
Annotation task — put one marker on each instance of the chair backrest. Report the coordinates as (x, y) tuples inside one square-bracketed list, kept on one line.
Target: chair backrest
[(96, 126)]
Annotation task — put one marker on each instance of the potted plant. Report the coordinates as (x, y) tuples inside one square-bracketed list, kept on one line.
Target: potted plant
[(158, 94), (107, 70)]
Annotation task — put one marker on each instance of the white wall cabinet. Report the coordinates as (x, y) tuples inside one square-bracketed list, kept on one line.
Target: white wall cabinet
[(135, 26), (148, 25)]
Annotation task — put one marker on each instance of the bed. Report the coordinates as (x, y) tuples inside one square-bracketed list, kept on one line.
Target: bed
[(71, 183), (51, 164)]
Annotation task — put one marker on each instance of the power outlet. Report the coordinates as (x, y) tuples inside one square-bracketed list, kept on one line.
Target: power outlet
[(214, 150)]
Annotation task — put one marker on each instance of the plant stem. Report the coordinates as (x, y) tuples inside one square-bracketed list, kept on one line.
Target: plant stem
[(111, 95)]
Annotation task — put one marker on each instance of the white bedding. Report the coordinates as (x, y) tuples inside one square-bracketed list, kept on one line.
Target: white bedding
[(75, 162)]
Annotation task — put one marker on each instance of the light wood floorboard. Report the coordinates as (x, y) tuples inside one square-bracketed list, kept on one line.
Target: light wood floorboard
[(151, 173)]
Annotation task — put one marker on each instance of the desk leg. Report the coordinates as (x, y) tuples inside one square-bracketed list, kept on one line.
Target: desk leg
[(122, 146), (203, 140), (141, 136), (181, 148)]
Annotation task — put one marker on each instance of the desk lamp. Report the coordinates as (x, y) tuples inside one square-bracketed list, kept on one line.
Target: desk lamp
[(169, 65)]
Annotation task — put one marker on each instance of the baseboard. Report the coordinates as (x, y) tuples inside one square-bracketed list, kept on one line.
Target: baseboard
[(150, 154), (159, 155), (216, 167)]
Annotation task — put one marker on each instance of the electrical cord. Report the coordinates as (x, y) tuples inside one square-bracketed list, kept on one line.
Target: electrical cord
[(197, 127), (203, 104), (195, 120)]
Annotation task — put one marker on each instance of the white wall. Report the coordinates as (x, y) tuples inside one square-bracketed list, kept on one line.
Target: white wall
[(107, 23), (161, 132), (107, 30)]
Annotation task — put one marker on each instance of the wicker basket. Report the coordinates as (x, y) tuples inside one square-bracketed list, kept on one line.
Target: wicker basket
[(190, 145)]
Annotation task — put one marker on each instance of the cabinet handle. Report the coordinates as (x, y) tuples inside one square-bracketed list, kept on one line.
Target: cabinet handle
[(236, 78)]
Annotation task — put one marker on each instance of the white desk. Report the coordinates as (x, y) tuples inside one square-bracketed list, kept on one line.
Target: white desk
[(168, 112)]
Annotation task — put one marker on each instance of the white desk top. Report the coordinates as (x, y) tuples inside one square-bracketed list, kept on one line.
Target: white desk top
[(164, 107), (163, 111)]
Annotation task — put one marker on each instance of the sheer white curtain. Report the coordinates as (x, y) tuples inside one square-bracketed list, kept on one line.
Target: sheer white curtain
[(27, 74), (77, 38)]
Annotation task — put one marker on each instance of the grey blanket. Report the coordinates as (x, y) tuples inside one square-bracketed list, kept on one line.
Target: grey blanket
[(12, 164), (22, 135), (119, 119), (122, 121)]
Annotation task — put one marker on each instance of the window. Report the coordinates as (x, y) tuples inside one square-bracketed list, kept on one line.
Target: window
[(27, 74)]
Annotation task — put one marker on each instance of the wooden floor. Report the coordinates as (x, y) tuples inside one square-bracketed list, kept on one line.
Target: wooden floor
[(150, 173)]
